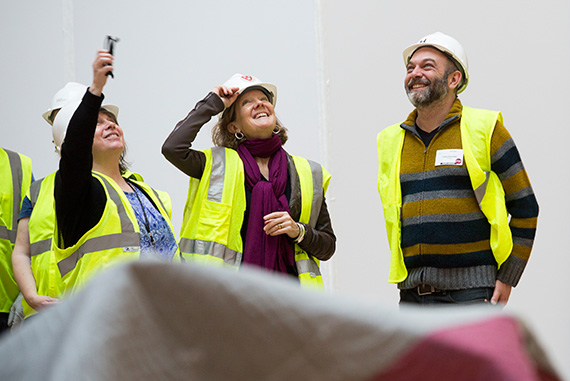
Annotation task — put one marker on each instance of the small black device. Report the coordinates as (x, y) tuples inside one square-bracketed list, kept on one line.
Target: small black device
[(109, 44)]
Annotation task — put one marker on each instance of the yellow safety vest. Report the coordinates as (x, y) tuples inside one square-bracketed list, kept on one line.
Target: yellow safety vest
[(476, 131), (40, 227), (213, 215), (16, 177), (114, 239)]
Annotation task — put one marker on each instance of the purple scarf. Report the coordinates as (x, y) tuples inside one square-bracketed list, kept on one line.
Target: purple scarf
[(273, 253)]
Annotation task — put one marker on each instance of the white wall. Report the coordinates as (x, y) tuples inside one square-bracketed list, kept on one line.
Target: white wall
[(518, 54), (339, 73)]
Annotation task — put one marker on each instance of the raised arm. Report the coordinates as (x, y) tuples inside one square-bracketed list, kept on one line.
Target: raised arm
[(177, 147)]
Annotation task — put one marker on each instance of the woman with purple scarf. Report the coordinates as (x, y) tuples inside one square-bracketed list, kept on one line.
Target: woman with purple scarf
[(249, 201)]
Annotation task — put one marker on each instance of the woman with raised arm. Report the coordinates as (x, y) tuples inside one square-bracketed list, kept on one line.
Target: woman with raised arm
[(249, 201), (104, 214)]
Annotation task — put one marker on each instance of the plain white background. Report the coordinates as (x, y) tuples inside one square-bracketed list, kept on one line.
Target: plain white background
[(339, 73)]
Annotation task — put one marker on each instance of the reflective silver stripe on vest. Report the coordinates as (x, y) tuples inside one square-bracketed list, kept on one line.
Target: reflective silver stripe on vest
[(35, 191), (17, 179), (481, 189), (215, 193), (159, 200), (318, 191), (216, 187), (214, 249), (129, 239), (44, 245), (4, 233), (40, 247), (308, 266)]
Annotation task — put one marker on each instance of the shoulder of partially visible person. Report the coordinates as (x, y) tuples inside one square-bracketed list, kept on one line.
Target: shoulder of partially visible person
[(26, 209), (18, 161)]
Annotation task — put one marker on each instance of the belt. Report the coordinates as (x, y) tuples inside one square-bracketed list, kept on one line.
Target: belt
[(426, 289)]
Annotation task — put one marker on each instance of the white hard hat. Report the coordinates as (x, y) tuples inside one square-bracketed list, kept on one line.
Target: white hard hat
[(61, 121), (72, 91), (447, 45), (244, 82)]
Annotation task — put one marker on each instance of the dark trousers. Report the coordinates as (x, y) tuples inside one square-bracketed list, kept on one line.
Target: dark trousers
[(4, 321), (422, 296)]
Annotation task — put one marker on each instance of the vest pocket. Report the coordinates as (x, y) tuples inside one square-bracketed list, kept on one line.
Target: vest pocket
[(214, 222)]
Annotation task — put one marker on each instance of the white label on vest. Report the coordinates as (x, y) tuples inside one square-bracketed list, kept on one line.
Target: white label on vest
[(449, 157), (131, 248)]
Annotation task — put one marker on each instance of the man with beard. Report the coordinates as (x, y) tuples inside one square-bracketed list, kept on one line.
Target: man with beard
[(459, 208)]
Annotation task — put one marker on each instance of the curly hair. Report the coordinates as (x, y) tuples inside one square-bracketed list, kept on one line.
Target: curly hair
[(222, 137)]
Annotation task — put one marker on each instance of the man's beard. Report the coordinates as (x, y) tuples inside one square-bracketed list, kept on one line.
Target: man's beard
[(436, 91)]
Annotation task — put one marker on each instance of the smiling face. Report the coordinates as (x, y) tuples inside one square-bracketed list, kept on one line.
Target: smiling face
[(108, 138), (255, 115), (428, 77)]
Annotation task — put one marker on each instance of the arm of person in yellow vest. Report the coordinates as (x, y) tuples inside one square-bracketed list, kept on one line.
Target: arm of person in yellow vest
[(522, 207), (177, 148), (22, 265)]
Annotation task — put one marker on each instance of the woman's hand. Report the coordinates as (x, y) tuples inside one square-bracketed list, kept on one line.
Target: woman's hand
[(39, 302), (228, 95), (102, 65), (277, 223)]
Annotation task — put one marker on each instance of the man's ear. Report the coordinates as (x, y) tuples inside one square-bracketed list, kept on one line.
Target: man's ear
[(454, 79)]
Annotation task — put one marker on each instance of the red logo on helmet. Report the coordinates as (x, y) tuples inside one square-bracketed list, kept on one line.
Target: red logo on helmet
[(458, 161), (247, 77)]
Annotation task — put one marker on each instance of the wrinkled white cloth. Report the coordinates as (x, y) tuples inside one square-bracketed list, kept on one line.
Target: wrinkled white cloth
[(16, 315), (164, 321)]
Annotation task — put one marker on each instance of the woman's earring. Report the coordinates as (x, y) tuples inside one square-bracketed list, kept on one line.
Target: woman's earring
[(276, 130), (239, 135)]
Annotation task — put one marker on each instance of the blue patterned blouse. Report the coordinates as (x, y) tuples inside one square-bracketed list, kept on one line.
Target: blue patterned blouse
[(157, 239)]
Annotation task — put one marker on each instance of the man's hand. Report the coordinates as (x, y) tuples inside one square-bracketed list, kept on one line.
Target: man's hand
[(501, 294)]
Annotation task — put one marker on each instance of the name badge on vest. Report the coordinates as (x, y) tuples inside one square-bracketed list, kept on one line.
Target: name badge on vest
[(449, 157)]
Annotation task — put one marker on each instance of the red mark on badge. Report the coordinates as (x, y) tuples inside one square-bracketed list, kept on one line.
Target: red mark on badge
[(458, 161), (247, 77)]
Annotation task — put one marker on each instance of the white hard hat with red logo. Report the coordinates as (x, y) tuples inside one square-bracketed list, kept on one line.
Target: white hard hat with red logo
[(243, 82), (447, 45)]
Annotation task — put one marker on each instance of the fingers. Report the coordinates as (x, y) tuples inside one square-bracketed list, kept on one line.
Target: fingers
[(501, 293), (102, 65), (496, 297), (278, 223), (228, 95)]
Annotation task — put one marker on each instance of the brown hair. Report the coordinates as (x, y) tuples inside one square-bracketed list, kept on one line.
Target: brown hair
[(123, 163)]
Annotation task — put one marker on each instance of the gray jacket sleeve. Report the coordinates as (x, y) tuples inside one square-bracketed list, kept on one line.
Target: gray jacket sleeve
[(177, 147)]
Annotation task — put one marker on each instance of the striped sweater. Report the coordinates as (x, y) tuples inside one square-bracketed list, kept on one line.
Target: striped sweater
[(445, 236)]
